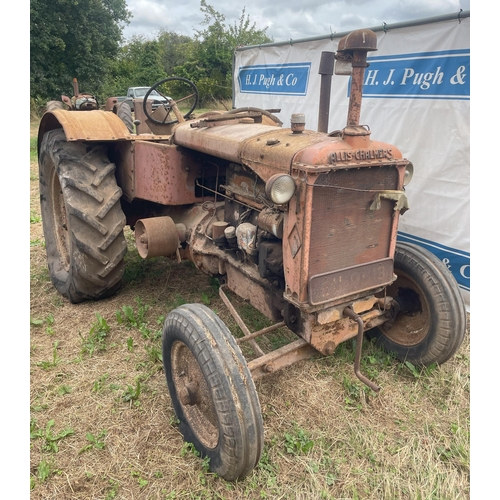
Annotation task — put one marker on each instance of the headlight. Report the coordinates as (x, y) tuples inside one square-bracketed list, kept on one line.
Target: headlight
[(408, 174), (280, 188)]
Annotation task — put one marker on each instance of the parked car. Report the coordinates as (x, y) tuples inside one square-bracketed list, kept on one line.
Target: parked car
[(140, 92)]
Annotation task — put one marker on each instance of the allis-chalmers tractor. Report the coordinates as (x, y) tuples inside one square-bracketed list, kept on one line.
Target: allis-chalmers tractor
[(300, 223)]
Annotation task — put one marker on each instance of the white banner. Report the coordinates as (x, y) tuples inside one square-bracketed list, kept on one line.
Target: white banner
[(416, 96)]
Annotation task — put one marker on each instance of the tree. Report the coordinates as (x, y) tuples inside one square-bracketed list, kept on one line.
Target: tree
[(139, 63), (175, 50), (211, 60), (73, 39)]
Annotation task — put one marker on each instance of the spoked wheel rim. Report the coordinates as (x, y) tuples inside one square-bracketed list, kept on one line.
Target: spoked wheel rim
[(194, 395), (61, 232), (412, 324)]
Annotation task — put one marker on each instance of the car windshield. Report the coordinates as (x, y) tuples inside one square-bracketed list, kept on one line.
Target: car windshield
[(142, 92)]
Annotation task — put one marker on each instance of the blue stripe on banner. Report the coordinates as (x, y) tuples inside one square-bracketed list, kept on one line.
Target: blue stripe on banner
[(457, 261), (283, 79), (425, 75)]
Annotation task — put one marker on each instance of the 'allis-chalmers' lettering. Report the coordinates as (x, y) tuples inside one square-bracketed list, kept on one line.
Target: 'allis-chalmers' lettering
[(362, 154)]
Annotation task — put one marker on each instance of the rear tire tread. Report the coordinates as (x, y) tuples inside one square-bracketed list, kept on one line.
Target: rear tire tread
[(95, 220), (124, 112)]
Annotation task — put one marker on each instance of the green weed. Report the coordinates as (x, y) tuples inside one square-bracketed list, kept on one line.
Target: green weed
[(113, 491), (63, 389), (214, 284), (374, 360), (33, 149), (154, 354), (253, 319), (178, 301), (96, 340), (36, 322), (99, 383), (205, 298), (298, 442), (132, 393), (142, 482), (95, 442), (50, 439), (44, 470), (40, 274), (188, 448), (149, 334), (174, 421), (55, 359), (419, 372), (266, 464), (49, 320), (136, 268), (37, 408), (353, 391), (34, 217), (131, 319), (130, 344)]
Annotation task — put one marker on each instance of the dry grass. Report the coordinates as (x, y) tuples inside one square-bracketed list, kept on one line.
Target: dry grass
[(326, 435)]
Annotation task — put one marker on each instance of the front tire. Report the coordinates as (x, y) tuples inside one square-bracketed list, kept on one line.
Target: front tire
[(212, 391), (82, 218), (431, 323)]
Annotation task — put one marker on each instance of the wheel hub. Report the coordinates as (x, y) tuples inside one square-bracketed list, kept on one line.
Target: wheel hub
[(60, 221), (411, 324), (194, 395)]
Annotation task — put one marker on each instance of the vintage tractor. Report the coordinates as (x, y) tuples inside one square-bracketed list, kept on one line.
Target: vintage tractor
[(300, 223)]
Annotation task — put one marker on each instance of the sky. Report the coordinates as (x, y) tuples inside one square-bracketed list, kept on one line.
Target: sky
[(284, 19)]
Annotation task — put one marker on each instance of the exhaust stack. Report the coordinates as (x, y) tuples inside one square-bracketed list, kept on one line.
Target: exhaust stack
[(353, 48), (326, 71)]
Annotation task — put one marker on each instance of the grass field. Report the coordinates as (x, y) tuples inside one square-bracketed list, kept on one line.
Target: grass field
[(102, 424)]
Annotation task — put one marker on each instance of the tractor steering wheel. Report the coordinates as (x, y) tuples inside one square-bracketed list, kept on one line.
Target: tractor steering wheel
[(167, 93)]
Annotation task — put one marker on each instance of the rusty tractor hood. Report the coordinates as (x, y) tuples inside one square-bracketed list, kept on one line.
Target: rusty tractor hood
[(268, 149)]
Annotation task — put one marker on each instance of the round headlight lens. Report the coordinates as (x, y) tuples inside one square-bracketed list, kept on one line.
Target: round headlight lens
[(280, 188), (408, 174)]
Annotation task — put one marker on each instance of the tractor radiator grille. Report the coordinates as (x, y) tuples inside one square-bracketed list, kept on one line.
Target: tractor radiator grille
[(350, 244)]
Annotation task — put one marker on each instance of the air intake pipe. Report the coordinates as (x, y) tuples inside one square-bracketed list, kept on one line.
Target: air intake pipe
[(353, 48)]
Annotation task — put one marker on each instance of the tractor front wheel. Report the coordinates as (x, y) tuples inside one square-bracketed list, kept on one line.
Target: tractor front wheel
[(212, 391), (430, 323), (82, 218)]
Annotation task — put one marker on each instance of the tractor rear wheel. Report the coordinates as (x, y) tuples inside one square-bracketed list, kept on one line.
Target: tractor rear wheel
[(82, 218), (124, 112), (431, 322), (212, 391)]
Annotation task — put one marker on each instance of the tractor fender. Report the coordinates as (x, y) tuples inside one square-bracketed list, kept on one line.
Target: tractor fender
[(95, 125)]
